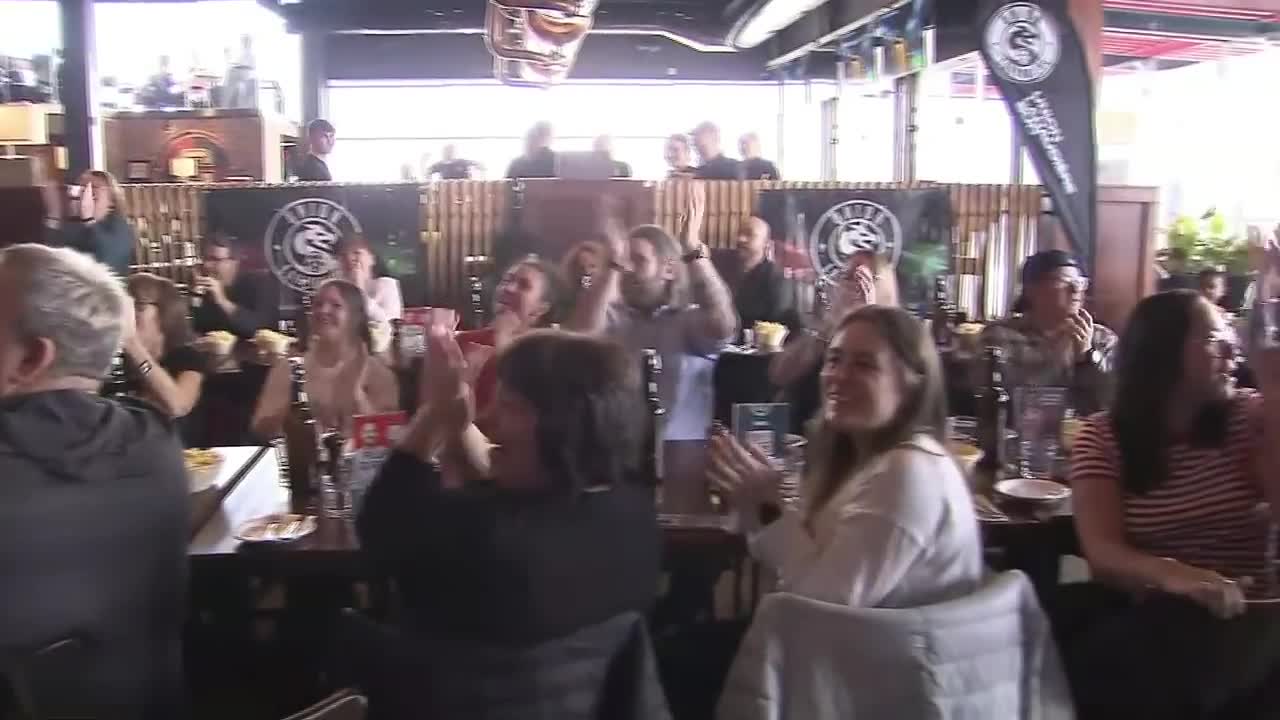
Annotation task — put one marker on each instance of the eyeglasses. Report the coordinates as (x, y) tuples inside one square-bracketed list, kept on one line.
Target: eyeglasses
[(218, 259), (1222, 346), (1078, 284)]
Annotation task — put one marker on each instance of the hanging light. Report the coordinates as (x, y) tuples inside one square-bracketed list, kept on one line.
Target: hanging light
[(535, 42)]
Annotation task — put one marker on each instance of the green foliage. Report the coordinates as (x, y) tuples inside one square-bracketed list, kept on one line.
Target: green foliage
[(1208, 243)]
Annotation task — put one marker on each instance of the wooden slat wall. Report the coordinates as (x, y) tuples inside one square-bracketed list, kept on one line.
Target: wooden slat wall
[(994, 228)]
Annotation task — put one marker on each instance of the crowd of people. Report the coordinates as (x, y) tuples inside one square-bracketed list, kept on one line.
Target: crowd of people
[(513, 512), (540, 160)]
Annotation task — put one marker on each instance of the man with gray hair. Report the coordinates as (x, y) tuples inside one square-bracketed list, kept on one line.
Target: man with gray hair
[(93, 496)]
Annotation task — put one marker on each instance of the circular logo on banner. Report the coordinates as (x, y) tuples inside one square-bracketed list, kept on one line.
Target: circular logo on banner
[(1022, 42), (852, 227), (301, 240)]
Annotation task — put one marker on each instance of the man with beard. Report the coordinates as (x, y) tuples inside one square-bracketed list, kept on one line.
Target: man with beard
[(639, 299)]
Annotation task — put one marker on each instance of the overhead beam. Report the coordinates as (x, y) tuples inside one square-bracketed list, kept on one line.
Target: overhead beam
[(825, 25)]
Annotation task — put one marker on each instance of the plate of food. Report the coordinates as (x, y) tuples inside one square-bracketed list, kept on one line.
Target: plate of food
[(219, 343), (277, 527), (271, 343), (202, 468), (1033, 492), (769, 335)]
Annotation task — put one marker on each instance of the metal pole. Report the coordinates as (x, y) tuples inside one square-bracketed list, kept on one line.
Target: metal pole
[(905, 107), (830, 137), (782, 125), (315, 78), (80, 78)]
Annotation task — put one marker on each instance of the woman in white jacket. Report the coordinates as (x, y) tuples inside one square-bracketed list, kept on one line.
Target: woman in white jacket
[(885, 517)]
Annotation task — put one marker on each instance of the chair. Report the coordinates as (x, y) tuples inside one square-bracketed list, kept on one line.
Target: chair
[(342, 705), (987, 655), (603, 672)]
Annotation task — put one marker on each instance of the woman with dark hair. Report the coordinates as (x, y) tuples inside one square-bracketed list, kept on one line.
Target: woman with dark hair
[(557, 537), (529, 296), (1170, 486), (343, 377), (161, 366), (885, 516)]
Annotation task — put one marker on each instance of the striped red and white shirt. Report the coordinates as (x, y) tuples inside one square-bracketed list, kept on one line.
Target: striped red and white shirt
[(1205, 513)]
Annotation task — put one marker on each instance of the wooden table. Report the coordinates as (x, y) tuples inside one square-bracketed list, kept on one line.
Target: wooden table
[(690, 527), (237, 462)]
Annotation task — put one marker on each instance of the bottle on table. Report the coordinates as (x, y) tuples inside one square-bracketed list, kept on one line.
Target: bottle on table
[(993, 405), (301, 438), (651, 462), (942, 314), (398, 361), (335, 476)]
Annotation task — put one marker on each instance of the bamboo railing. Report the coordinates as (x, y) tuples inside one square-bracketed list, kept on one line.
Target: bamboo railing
[(994, 227)]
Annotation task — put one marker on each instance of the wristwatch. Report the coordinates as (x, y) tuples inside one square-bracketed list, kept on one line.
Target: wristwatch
[(699, 253), (1090, 357)]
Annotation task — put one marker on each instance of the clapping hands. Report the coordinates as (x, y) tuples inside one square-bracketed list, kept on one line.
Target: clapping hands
[(444, 377)]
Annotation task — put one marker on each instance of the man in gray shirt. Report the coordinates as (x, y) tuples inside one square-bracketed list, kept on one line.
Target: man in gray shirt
[(655, 292)]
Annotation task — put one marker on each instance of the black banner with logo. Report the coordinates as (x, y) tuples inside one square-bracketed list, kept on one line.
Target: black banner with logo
[(817, 232), (1039, 65), (292, 231)]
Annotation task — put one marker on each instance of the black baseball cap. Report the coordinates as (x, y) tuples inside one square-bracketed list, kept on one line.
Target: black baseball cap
[(1036, 267)]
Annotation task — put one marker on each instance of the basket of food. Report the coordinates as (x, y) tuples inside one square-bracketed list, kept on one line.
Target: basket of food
[(202, 468)]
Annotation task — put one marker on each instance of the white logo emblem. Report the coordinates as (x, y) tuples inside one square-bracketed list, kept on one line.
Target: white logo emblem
[(852, 227), (301, 240), (1022, 42)]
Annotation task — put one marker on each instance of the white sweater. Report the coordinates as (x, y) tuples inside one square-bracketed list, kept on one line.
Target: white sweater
[(900, 532)]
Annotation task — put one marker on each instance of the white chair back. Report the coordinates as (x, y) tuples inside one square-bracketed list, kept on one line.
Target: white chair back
[(987, 655)]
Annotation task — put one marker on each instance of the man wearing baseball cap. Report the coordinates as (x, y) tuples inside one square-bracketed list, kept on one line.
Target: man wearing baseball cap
[(1051, 340)]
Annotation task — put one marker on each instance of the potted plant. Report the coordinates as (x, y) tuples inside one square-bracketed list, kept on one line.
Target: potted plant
[(1208, 243)]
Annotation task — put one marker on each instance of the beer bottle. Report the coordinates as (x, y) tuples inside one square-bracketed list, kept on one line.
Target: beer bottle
[(398, 361), (651, 462), (301, 438), (993, 412), (942, 314)]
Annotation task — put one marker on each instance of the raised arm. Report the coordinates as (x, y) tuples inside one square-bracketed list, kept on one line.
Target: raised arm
[(176, 394), (591, 314), (720, 319)]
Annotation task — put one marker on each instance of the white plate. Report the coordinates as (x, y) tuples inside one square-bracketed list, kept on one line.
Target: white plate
[(279, 527), (1028, 490)]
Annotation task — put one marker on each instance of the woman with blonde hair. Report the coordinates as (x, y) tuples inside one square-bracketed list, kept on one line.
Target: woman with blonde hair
[(885, 516), (96, 224), (868, 280)]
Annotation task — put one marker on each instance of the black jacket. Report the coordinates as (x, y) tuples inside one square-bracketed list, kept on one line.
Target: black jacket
[(606, 671), (540, 163), (93, 545), (257, 300), (504, 568), (312, 169)]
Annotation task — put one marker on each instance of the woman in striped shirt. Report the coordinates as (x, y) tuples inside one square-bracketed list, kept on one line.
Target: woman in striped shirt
[(1169, 488)]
